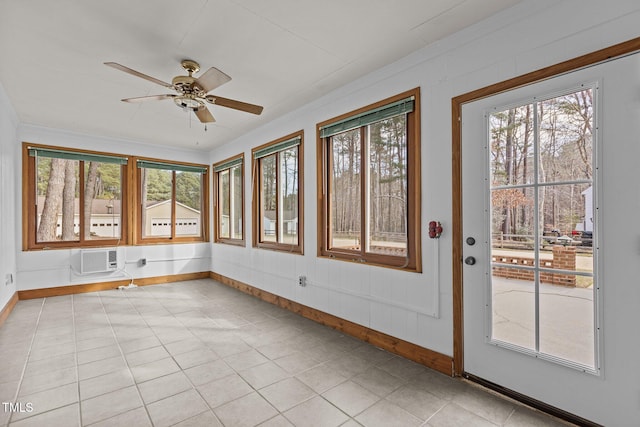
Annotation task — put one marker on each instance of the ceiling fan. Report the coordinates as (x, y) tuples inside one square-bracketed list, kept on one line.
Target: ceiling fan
[(192, 92)]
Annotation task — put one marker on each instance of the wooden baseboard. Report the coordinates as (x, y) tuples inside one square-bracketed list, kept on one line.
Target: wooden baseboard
[(102, 286), (424, 356), (4, 313)]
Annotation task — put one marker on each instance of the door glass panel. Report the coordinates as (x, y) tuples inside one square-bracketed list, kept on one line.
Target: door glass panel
[(513, 226), (565, 137), (541, 198), (513, 293)]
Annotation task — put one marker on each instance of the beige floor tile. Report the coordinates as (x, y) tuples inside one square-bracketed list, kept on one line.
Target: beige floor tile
[(245, 360), (287, 393), (252, 362), (52, 379), (109, 405), (249, 410), (224, 390), (67, 416), (195, 357), (160, 388), (321, 378), (135, 418), (47, 400), (385, 413), (378, 381), (176, 408), (106, 383), (487, 405), (149, 371), (263, 375), (316, 412), (146, 356), (453, 415), (351, 398), (416, 401), (207, 419), (95, 354), (101, 367)]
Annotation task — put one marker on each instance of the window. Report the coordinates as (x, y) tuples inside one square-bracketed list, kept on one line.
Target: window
[(73, 198), (277, 194), (369, 182), (229, 200), (173, 202)]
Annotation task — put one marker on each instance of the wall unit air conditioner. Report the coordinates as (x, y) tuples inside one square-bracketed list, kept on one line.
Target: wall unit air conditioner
[(98, 260)]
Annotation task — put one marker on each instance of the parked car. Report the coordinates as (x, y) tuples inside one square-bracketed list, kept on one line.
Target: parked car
[(584, 237)]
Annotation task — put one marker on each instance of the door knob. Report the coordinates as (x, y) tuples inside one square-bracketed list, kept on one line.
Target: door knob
[(471, 241), (470, 260)]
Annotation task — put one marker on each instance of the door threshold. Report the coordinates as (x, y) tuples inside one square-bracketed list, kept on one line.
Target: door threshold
[(531, 402)]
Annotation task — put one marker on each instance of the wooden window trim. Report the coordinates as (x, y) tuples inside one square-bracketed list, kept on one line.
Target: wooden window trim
[(257, 208), (216, 199), (29, 213), (413, 262), (138, 211)]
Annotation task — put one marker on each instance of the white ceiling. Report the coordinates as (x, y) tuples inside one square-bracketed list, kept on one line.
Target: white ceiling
[(280, 53)]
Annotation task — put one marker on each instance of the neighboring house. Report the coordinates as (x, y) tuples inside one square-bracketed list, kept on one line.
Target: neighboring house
[(157, 220), (587, 221), (105, 218), (290, 222)]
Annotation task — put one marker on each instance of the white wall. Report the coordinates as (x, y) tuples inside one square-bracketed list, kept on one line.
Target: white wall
[(527, 37), (45, 269), (8, 126)]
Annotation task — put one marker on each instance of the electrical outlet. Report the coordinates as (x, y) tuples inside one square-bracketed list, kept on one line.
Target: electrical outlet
[(142, 262), (8, 279), (302, 281)]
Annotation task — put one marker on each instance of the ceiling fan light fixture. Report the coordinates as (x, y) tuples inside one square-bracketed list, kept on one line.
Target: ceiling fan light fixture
[(188, 103)]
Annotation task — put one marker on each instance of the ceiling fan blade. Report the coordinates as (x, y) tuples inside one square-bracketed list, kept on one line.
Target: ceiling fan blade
[(137, 74), (204, 115), (212, 79), (149, 98), (232, 103)]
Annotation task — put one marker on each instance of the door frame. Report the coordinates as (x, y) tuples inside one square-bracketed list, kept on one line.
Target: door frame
[(602, 55)]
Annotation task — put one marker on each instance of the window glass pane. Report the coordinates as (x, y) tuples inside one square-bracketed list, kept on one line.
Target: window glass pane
[(188, 203), (268, 196), (156, 202), (288, 212), (513, 226), (224, 208), (57, 200), (512, 145), (387, 187), (513, 306), (102, 200), (566, 321), (566, 137), (345, 203), (236, 196)]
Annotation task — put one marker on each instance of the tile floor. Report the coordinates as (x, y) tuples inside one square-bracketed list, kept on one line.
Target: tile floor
[(199, 353)]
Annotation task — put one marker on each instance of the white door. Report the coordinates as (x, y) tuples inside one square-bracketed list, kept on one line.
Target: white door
[(550, 195)]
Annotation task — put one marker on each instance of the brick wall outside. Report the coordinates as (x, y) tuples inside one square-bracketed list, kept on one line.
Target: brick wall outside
[(564, 257)]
